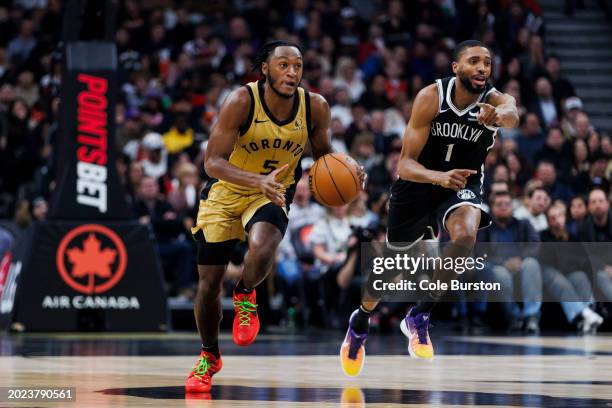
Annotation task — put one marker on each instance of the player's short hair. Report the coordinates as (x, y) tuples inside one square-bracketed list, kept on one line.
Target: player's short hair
[(462, 46), (267, 49)]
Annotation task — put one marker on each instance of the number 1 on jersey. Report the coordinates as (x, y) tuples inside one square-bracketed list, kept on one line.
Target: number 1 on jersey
[(449, 152)]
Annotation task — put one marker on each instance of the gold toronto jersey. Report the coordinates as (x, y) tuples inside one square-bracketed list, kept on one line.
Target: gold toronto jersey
[(266, 143)]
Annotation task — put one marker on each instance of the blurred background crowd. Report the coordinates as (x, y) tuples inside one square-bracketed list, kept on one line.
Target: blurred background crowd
[(546, 180)]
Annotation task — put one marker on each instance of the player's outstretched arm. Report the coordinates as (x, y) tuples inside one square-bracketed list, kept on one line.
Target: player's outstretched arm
[(424, 110), (500, 110), (320, 139)]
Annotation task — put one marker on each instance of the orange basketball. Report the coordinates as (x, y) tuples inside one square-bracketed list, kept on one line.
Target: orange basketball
[(334, 179)]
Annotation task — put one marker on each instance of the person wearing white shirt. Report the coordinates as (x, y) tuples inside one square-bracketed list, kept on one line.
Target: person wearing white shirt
[(535, 210)]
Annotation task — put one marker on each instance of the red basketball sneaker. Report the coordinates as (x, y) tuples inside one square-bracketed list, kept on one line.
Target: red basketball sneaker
[(200, 378), (246, 322)]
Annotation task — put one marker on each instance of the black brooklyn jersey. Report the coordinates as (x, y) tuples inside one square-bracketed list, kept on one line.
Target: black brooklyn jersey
[(456, 140)]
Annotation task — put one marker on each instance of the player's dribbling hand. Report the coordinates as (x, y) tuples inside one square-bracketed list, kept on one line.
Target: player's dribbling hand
[(455, 179), (271, 188), (488, 115)]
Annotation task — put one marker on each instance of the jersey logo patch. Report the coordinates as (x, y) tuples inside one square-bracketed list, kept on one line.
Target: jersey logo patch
[(298, 124), (466, 194)]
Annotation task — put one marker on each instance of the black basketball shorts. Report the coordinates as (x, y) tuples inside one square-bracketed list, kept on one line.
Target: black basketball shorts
[(419, 211)]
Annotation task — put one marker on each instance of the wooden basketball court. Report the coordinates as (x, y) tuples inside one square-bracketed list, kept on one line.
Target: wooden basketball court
[(134, 370)]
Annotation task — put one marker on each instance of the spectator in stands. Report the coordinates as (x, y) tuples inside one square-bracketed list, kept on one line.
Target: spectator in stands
[(562, 88), (349, 77), (155, 161), (382, 138), (331, 238), (508, 262), (581, 166), (174, 249), (39, 207), (383, 174), (363, 151), (597, 227), (571, 107), (547, 173), (341, 109), (376, 97), (179, 137), (582, 126), (533, 60), (394, 85), (26, 88), (184, 197), (360, 215), (338, 133), (562, 272), (518, 171), (544, 104), (558, 151), (531, 138), (19, 147), (577, 211), (534, 211), (20, 47), (513, 72), (295, 257), (597, 172)]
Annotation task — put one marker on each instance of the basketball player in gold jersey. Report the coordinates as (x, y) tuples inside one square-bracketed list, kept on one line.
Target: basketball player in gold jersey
[(253, 158)]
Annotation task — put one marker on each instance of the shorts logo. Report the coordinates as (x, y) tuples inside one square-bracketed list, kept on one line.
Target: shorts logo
[(466, 194), (91, 259)]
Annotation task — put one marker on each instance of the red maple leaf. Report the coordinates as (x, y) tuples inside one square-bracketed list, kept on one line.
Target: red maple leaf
[(90, 259)]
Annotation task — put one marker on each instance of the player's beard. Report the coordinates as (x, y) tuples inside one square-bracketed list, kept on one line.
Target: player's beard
[(271, 81), (467, 83)]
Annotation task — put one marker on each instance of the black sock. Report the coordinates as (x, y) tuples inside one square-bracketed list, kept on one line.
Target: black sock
[(240, 288), (212, 348), (360, 323), (422, 307)]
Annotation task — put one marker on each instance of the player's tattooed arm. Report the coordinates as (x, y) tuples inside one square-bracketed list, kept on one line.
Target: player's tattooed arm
[(500, 110), (424, 110), (233, 114), (320, 139)]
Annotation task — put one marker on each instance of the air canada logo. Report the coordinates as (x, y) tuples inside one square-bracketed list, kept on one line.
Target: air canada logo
[(466, 194), (91, 259)]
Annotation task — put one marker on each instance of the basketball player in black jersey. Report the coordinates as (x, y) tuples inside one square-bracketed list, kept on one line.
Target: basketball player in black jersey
[(453, 125)]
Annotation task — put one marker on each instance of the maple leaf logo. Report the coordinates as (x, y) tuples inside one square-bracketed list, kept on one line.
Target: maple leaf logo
[(91, 260), (85, 265)]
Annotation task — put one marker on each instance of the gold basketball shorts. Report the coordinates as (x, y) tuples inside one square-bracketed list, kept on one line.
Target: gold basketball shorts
[(224, 214)]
